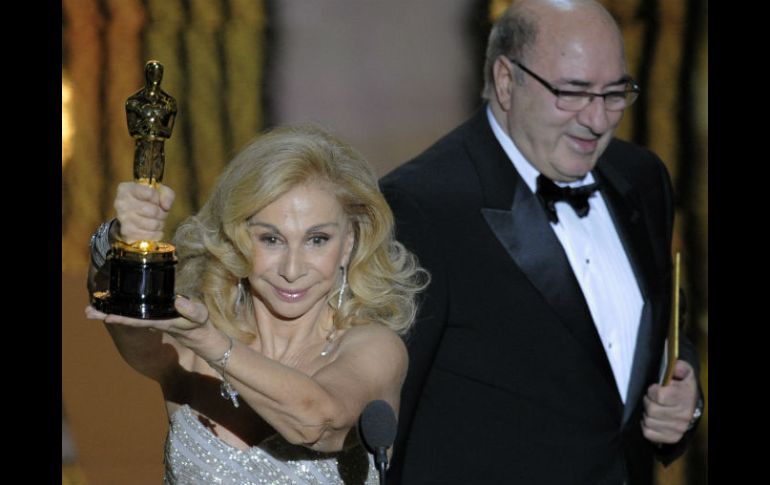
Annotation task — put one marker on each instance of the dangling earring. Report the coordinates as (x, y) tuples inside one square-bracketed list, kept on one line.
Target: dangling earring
[(342, 286), (240, 295)]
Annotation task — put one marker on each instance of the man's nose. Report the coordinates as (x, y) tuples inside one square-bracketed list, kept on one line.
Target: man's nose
[(594, 116)]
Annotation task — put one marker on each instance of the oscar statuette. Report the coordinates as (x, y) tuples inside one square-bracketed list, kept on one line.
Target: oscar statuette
[(142, 273)]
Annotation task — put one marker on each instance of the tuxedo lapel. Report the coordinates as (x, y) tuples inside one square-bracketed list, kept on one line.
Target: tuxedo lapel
[(525, 233), (520, 224), (624, 205)]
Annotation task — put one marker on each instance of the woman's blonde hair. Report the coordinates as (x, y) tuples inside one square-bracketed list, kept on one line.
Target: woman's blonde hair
[(215, 249)]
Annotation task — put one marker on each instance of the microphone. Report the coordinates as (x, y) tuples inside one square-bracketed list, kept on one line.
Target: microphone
[(377, 426)]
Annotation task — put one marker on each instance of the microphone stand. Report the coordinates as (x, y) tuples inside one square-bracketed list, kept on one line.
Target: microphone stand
[(381, 462)]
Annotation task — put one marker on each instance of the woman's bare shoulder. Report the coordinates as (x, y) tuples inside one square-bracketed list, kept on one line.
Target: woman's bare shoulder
[(372, 334), (373, 346)]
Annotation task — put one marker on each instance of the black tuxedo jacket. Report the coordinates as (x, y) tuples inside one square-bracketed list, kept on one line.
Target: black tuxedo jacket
[(508, 381)]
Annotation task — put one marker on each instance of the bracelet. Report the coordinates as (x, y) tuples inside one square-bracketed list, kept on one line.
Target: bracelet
[(100, 243), (226, 390)]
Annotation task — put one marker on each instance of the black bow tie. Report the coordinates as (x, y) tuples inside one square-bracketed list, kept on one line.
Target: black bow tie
[(550, 193)]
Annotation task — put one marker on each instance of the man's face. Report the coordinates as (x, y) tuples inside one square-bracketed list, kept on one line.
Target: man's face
[(565, 145)]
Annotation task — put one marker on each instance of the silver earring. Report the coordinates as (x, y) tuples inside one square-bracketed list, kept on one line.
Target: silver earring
[(240, 295), (342, 286)]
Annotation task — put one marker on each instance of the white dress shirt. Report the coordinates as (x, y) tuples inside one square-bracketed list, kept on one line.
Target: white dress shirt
[(600, 264)]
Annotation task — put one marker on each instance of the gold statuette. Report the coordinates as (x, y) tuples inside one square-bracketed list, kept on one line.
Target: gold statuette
[(142, 273)]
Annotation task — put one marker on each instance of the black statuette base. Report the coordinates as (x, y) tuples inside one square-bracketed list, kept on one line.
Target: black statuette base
[(139, 290)]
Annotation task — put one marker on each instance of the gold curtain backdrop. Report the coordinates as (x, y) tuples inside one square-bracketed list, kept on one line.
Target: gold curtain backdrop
[(214, 55)]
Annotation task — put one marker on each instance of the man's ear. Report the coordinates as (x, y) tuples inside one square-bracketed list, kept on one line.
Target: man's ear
[(502, 71)]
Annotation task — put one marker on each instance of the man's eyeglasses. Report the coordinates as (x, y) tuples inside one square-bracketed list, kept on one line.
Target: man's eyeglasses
[(578, 100)]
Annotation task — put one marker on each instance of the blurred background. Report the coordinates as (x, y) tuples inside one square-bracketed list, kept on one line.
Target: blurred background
[(388, 77)]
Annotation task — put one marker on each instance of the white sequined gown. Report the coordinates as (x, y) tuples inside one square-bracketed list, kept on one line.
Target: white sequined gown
[(195, 456)]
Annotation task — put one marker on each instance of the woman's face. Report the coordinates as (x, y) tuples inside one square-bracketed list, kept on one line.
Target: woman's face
[(300, 242)]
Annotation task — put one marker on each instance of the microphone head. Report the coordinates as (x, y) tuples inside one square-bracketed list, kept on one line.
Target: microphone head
[(377, 425)]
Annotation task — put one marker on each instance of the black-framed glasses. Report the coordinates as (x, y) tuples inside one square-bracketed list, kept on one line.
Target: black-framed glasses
[(578, 100)]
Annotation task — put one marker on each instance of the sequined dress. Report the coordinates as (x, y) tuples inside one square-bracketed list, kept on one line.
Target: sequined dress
[(195, 456)]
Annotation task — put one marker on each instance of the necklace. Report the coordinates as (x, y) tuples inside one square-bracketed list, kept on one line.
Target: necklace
[(329, 341)]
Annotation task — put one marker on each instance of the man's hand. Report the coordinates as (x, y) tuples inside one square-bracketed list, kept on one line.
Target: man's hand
[(669, 409)]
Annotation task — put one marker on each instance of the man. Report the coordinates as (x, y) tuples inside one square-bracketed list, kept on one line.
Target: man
[(537, 353)]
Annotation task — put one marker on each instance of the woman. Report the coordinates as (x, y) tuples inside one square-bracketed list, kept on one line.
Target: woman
[(295, 292)]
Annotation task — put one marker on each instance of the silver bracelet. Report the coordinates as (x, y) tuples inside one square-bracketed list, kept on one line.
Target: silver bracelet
[(100, 243), (226, 390)]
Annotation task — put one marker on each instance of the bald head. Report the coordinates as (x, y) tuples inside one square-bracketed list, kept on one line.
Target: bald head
[(529, 24), (545, 54)]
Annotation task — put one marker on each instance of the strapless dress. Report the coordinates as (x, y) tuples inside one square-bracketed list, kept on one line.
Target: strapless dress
[(194, 455)]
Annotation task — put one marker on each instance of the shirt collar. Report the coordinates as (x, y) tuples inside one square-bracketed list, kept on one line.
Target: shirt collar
[(526, 170)]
